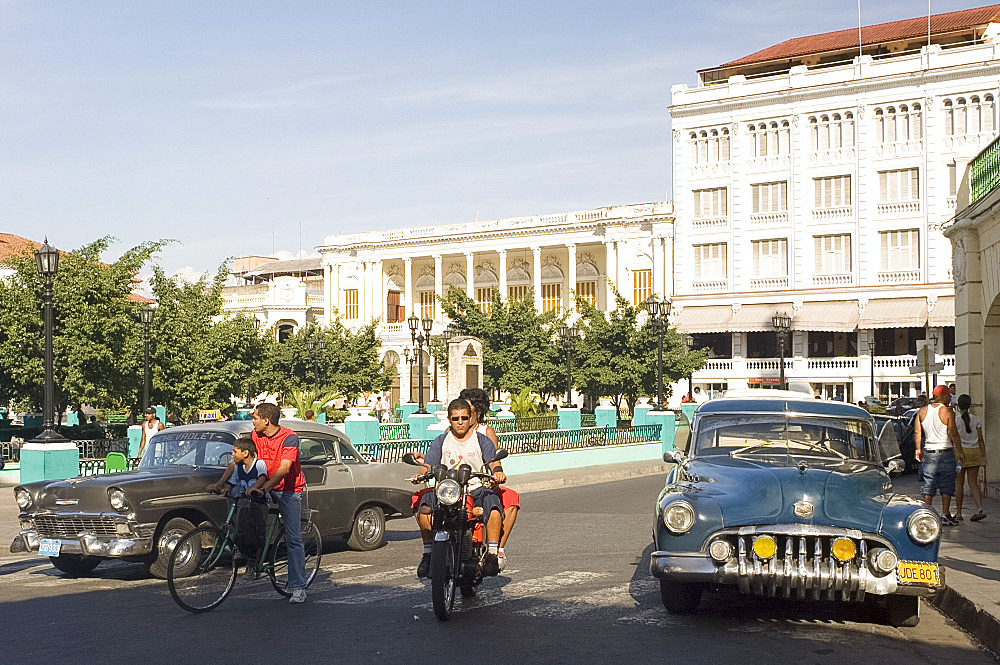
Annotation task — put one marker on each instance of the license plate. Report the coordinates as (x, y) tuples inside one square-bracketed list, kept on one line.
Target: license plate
[(917, 572), (49, 547)]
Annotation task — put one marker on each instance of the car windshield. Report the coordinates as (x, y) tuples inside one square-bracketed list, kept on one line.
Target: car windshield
[(188, 448), (798, 436)]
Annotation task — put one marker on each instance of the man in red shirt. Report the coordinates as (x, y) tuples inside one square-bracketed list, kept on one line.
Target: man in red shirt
[(279, 448)]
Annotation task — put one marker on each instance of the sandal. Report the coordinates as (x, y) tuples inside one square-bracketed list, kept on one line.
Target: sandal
[(978, 516), (958, 517)]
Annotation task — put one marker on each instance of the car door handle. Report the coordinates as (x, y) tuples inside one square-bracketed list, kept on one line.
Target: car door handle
[(343, 469)]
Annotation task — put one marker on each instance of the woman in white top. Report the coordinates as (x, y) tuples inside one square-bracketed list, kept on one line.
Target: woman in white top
[(970, 430)]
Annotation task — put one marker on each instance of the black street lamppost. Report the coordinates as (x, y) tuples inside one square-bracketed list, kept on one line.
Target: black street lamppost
[(658, 312), (317, 345), (871, 356), (146, 313), (689, 342), (781, 322), (47, 259), (418, 340), (569, 335)]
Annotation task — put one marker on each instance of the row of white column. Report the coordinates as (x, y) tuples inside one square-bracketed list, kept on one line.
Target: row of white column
[(371, 294)]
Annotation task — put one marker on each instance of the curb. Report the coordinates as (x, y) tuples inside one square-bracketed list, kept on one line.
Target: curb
[(981, 624), (651, 469)]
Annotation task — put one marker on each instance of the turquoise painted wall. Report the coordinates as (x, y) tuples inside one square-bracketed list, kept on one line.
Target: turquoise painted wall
[(573, 459)]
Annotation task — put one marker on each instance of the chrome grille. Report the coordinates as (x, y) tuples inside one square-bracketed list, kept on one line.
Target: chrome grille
[(71, 526), (803, 566)]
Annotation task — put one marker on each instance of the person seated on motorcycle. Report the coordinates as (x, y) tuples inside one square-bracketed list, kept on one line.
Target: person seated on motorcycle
[(462, 444), (509, 499)]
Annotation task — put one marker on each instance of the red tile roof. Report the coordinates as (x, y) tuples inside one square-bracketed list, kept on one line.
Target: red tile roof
[(12, 245), (872, 34)]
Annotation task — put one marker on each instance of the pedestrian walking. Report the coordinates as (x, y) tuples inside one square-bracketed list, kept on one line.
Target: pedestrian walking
[(970, 430), (379, 409), (150, 426), (938, 447)]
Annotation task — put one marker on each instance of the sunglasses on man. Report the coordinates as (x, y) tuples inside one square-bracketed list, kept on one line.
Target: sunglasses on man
[(459, 419)]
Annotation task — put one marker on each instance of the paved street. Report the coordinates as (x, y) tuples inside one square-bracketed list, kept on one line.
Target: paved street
[(578, 591)]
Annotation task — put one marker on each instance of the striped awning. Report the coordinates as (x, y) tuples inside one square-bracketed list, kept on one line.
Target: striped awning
[(943, 313), (832, 315), (757, 317), (704, 319), (894, 313)]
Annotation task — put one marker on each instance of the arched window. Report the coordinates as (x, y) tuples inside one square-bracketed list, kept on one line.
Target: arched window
[(703, 147), (813, 133), (961, 124), (724, 145), (713, 147), (879, 126), (916, 123), (949, 118), (890, 125), (848, 129), (989, 108), (824, 132)]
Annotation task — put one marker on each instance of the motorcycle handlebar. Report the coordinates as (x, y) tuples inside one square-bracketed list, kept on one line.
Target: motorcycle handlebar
[(424, 477)]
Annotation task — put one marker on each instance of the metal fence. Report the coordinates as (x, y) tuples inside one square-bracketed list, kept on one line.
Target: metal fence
[(588, 420), (526, 442), (99, 448), (10, 452), (95, 467), (501, 425), (393, 431), (535, 423)]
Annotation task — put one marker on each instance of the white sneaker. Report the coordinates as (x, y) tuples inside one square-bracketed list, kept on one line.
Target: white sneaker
[(298, 596), (501, 559)]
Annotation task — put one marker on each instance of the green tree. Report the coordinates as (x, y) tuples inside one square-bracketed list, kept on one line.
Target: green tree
[(616, 354), (97, 336), (518, 346)]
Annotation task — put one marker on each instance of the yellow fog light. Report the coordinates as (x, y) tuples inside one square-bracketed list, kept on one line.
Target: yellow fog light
[(843, 549), (764, 547)]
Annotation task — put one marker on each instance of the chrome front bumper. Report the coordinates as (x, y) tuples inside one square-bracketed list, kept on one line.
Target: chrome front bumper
[(88, 534)]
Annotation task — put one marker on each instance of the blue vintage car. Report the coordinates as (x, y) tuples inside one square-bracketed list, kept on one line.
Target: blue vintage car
[(779, 494)]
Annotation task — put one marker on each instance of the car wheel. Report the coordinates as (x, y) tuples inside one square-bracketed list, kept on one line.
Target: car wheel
[(170, 534), (902, 611), (680, 598), (368, 532), (75, 564)]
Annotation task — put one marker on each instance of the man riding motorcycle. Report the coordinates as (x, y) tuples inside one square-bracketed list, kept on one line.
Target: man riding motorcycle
[(462, 444)]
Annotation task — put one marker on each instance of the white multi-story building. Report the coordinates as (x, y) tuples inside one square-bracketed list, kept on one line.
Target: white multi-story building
[(388, 275), (813, 180)]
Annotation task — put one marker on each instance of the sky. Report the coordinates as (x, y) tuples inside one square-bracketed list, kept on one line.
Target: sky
[(237, 128)]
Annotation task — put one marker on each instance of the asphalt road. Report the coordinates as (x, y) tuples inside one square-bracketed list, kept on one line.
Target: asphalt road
[(577, 590)]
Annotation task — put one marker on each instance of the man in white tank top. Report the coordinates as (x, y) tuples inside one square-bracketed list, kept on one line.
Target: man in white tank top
[(938, 448), (150, 426)]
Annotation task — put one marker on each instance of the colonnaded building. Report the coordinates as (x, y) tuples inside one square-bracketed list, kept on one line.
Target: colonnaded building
[(811, 178)]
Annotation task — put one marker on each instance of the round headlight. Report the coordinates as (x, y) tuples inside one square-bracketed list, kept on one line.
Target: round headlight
[(448, 492), (23, 499), (679, 517), (883, 560), (720, 550), (117, 498), (923, 526)]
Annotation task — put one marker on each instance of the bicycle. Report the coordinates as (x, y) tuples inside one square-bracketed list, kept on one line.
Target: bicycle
[(203, 566)]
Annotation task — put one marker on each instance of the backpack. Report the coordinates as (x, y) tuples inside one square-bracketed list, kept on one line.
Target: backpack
[(251, 522)]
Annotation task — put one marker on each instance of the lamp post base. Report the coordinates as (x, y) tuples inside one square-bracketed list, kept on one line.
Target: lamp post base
[(49, 461), (49, 435)]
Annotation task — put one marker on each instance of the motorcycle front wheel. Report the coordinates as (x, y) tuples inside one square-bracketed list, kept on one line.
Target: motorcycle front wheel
[(443, 565)]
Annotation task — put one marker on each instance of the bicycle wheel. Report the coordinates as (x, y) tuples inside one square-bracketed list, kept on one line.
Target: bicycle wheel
[(202, 570), (278, 570)]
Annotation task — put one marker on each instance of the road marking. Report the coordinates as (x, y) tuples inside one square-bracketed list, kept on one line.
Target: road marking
[(343, 567), (622, 596), (524, 589), (375, 595), (326, 586)]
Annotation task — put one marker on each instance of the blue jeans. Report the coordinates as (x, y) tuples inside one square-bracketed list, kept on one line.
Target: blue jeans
[(937, 472), (290, 505)]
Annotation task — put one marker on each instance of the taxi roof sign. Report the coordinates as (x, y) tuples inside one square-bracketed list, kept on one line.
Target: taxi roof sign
[(208, 415)]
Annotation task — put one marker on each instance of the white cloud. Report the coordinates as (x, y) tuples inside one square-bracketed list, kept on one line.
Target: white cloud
[(189, 274)]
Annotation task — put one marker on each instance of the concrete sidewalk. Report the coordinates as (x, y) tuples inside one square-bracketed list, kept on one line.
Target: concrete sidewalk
[(970, 554)]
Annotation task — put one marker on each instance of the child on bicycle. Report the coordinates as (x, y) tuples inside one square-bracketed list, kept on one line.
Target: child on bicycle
[(249, 474)]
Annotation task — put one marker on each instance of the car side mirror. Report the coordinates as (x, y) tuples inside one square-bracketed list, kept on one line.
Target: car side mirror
[(676, 457), (895, 466)]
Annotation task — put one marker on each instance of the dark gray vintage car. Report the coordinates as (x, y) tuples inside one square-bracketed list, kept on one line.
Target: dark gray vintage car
[(140, 515), (778, 494)]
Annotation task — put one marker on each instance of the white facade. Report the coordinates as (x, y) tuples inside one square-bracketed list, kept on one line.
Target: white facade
[(388, 275), (821, 191)]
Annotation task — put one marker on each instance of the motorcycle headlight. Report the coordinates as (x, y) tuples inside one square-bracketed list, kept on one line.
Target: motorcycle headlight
[(117, 498), (448, 492), (923, 526), (679, 517), (23, 498)]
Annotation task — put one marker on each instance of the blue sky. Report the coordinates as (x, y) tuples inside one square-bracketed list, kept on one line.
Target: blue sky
[(230, 126)]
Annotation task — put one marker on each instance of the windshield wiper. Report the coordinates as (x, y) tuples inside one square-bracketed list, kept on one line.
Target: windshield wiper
[(744, 449)]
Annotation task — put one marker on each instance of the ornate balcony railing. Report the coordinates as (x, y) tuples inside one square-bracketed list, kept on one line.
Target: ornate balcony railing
[(769, 283), (832, 363), (984, 171), (837, 212), (711, 286), (708, 223), (899, 208), (718, 365), (900, 149), (899, 277), (768, 218), (832, 156), (833, 280)]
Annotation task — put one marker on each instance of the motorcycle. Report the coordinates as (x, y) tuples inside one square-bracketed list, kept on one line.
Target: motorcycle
[(459, 548)]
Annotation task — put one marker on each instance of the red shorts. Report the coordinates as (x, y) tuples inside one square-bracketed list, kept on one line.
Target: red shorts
[(508, 497)]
